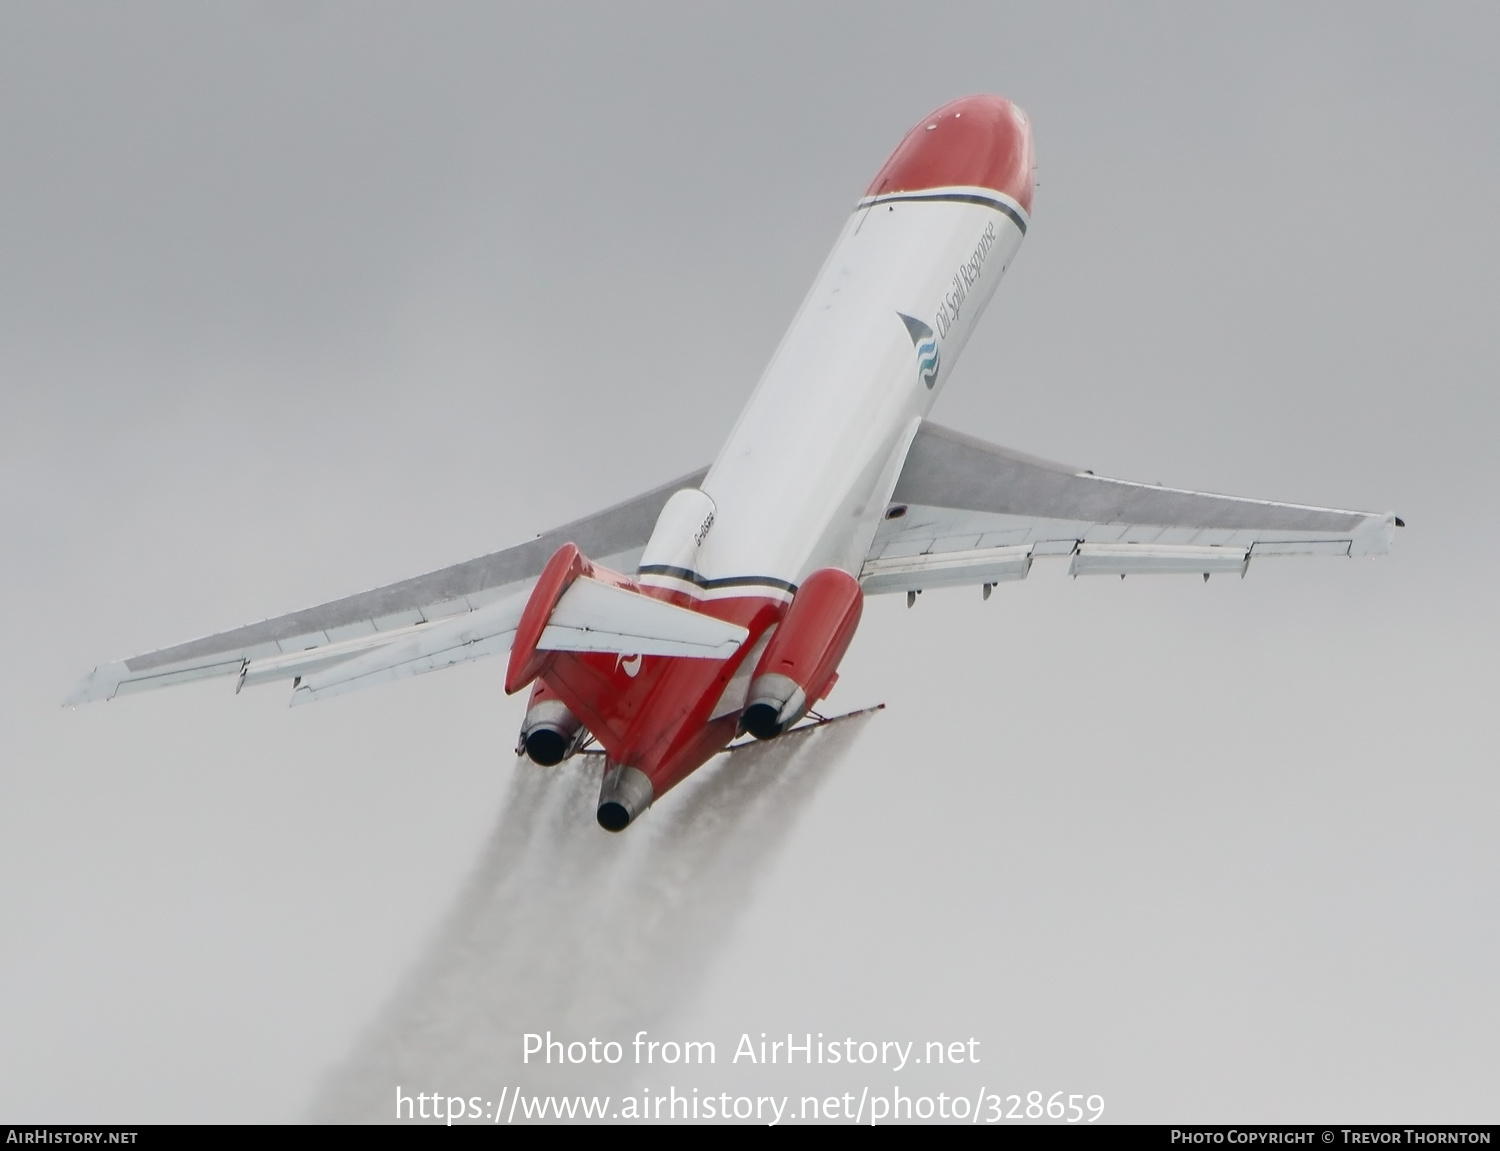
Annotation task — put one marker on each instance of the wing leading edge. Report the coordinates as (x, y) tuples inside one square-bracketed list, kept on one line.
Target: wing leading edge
[(966, 512), (447, 616)]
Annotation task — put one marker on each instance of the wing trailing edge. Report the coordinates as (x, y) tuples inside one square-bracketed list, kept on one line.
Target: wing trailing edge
[(965, 512)]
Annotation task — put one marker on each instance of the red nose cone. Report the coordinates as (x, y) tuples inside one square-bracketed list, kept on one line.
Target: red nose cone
[(975, 142)]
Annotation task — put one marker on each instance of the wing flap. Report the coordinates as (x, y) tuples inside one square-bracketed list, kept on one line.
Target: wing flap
[(959, 568), (111, 679), (125, 686), (289, 665), (1301, 547), (486, 632), (371, 672), (1156, 559), (958, 496)]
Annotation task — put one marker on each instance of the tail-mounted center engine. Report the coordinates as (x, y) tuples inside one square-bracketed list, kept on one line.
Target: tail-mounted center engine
[(550, 733), (801, 661)]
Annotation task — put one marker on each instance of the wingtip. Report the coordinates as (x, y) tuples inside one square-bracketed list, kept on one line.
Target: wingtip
[(99, 684), (79, 694), (1375, 535)]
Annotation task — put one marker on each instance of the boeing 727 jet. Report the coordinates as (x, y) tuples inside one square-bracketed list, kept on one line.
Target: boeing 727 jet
[(723, 602)]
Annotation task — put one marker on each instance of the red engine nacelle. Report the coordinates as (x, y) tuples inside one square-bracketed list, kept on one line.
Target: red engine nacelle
[(799, 663)]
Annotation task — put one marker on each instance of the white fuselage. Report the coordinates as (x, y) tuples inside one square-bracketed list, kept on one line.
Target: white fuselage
[(807, 471)]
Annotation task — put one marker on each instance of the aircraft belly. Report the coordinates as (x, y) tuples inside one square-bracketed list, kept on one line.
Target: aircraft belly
[(798, 485)]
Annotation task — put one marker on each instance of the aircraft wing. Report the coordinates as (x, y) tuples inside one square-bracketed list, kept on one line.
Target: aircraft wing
[(966, 512), (435, 620)]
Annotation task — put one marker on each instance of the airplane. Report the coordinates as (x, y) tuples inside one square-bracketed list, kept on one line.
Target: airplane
[(719, 605)]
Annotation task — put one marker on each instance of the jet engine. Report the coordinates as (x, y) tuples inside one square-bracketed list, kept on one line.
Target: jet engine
[(550, 733), (799, 664)]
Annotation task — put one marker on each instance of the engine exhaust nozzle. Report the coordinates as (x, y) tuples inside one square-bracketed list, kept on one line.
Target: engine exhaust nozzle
[(624, 793), (776, 702), (550, 733)]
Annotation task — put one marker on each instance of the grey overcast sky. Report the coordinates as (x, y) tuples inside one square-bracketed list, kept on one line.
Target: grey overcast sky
[(296, 299)]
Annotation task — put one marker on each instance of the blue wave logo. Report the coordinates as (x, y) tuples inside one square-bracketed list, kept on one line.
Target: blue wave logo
[(925, 341)]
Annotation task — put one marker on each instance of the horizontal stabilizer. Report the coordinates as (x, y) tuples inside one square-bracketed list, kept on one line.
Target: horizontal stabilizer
[(596, 616)]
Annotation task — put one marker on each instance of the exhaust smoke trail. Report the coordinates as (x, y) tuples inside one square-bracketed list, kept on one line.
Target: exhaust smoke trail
[(566, 928)]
